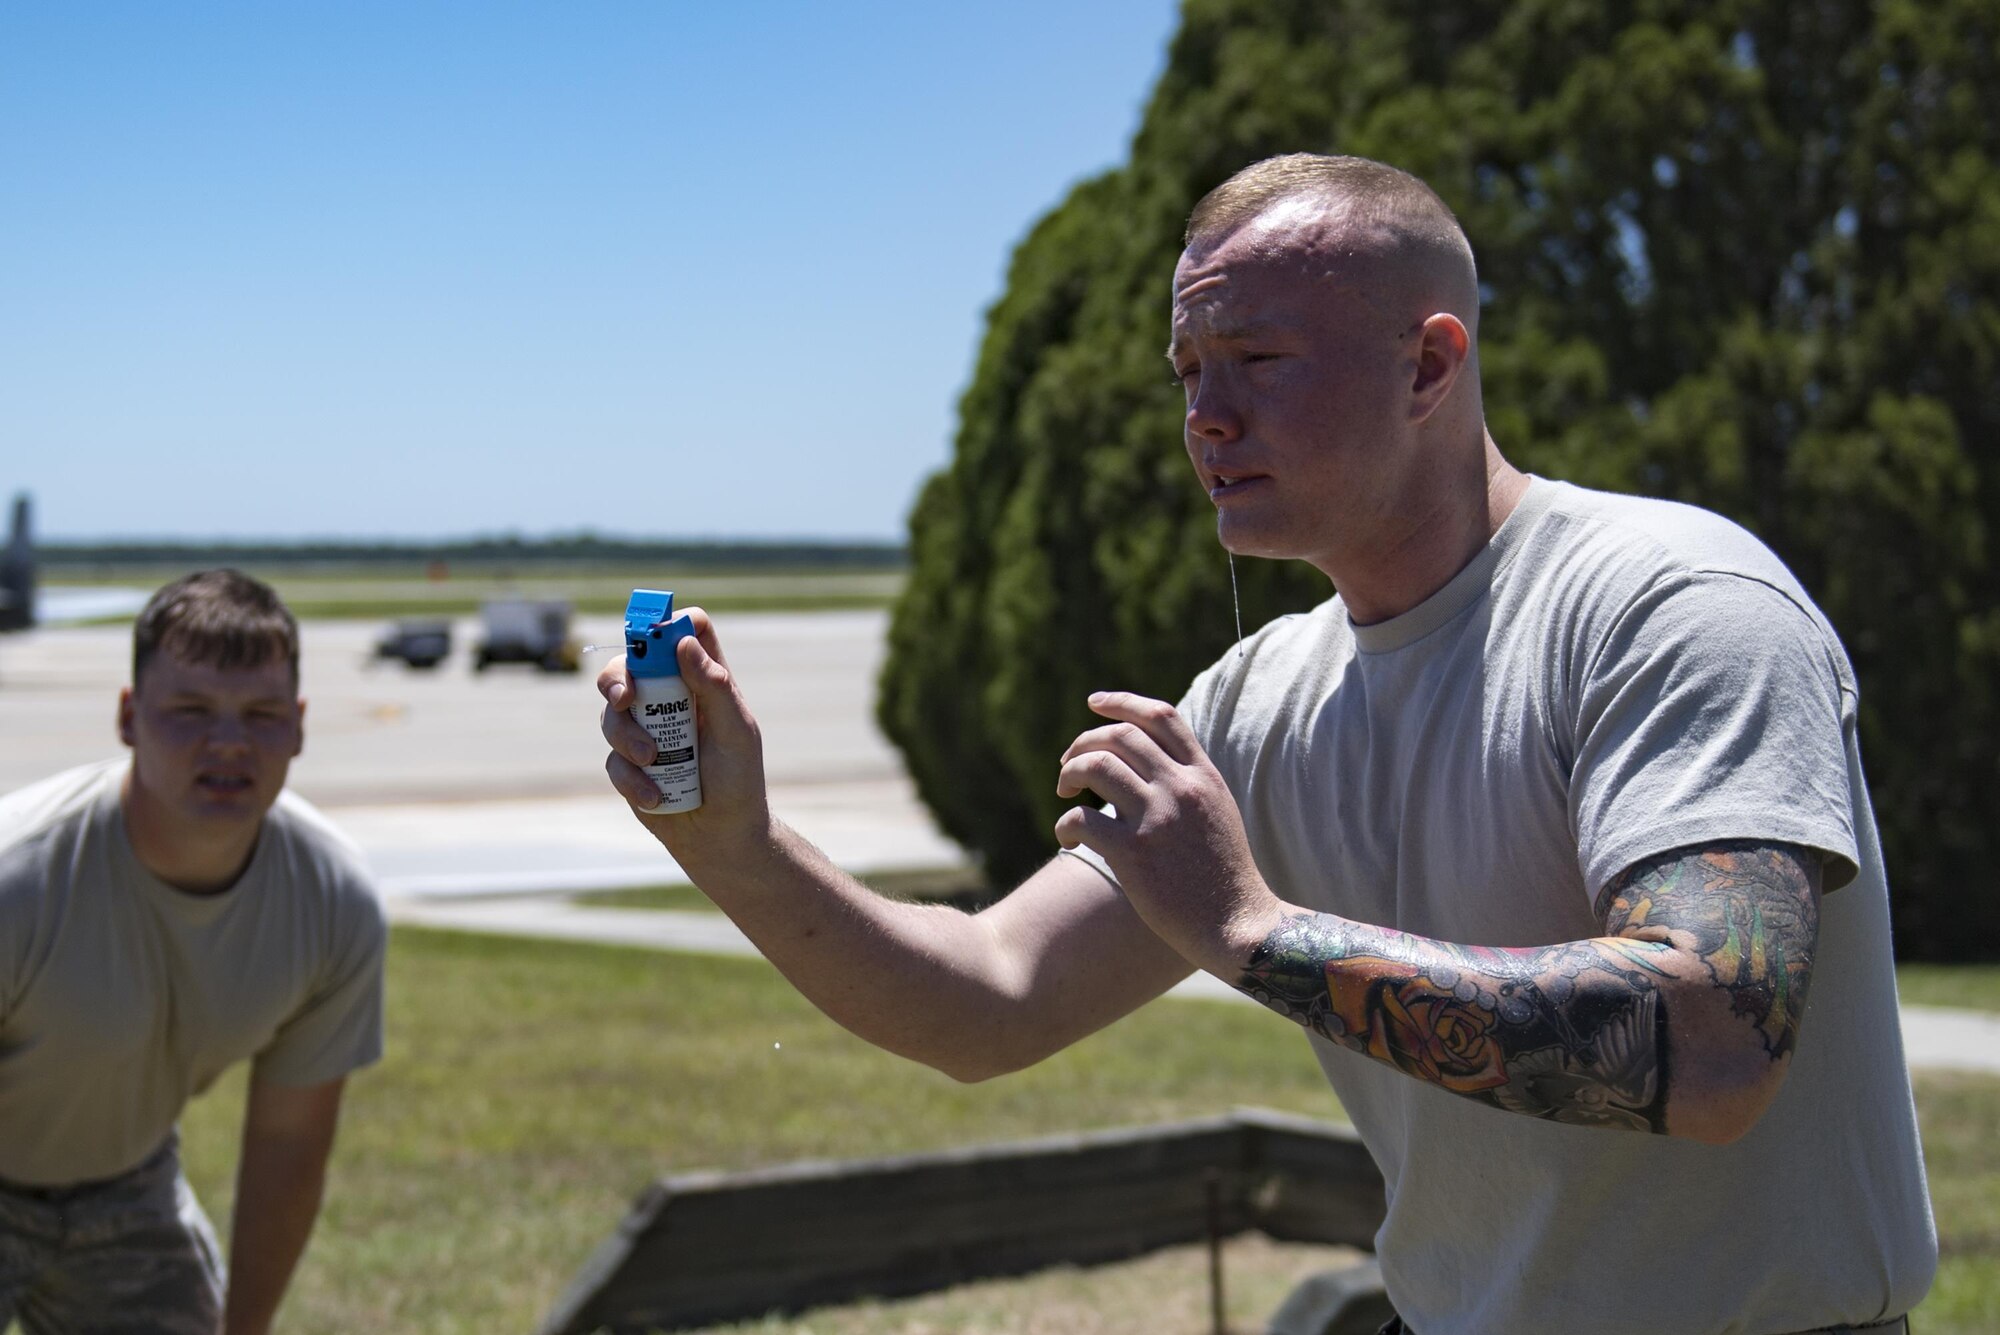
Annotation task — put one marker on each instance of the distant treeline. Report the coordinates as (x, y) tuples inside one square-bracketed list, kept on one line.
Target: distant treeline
[(579, 550)]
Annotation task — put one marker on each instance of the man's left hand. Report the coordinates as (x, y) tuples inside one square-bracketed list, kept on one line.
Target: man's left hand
[(1175, 839)]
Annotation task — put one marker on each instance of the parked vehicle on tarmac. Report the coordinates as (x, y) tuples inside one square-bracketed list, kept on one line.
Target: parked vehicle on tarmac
[(17, 570), (422, 642), (527, 630)]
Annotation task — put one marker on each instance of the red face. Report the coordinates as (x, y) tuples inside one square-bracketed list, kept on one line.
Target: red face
[(1298, 371), (211, 746)]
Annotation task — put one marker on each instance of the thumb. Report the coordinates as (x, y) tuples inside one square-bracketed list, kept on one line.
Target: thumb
[(1095, 830), (717, 701)]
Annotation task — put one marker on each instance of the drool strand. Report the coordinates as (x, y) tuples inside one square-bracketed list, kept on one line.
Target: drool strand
[(1237, 599)]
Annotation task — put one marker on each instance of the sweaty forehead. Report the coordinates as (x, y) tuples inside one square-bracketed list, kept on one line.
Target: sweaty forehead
[(1297, 239), (1262, 271), (172, 673)]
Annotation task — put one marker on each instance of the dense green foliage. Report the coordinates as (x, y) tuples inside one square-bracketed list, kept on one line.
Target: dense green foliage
[(1742, 254)]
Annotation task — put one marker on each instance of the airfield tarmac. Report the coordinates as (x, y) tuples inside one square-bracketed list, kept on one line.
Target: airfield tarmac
[(456, 783), (461, 787)]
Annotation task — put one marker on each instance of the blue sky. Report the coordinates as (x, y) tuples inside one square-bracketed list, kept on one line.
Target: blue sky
[(428, 269)]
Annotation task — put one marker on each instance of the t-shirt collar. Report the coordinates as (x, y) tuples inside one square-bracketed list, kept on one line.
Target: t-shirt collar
[(187, 907), (1464, 588)]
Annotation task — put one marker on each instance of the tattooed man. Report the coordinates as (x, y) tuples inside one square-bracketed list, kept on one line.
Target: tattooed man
[(1549, 829)]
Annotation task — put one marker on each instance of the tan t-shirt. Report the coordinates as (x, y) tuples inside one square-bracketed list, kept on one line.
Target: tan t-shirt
[(121, 997), (1611, 678)]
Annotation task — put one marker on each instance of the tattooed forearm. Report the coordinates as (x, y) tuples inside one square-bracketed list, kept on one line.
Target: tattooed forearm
[(1572, 1033), (1575, 1032), (1749, 912)]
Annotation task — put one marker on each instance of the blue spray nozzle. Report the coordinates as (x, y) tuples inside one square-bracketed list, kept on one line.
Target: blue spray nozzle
[(651, 633), (645, 612)]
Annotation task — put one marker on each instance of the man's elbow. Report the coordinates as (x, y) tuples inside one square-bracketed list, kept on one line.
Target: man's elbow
[(1723, 1116), (993, 1053), (970, 1072), (972, 1066), (1720, 1131)]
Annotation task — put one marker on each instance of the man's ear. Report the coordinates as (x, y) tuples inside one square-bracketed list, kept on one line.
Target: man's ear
[(125, 711), (1443, 348)]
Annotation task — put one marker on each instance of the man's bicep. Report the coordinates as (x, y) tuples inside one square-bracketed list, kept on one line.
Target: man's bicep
[(306, 1113), (1746, 912), (1071, 942)]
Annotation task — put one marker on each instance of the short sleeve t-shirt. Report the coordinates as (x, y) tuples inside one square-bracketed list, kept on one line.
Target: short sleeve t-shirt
[(1609, 679), (121, 997)]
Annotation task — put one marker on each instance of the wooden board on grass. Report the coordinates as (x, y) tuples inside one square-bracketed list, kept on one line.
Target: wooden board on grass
[(701, 1248)]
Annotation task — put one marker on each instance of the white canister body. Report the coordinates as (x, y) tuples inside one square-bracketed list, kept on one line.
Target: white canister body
[(665, 710)]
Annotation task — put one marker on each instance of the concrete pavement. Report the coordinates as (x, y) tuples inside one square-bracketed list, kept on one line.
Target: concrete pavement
[(458, 785), (543, 845), (378, 732)]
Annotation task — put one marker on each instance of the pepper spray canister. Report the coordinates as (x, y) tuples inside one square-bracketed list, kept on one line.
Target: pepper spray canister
[(660, 699)]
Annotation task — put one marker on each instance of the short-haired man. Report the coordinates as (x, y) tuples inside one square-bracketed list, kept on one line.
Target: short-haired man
[(161, 920), (1541, 828)]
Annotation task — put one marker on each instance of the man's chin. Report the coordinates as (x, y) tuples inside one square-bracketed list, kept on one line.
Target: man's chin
[(1242, 538), (227, 805)]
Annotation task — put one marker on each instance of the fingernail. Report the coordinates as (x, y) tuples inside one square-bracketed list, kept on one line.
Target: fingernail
[(617, 693)]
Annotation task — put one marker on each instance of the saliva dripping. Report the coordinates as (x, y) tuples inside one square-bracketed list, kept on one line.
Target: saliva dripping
[(1236, 599)]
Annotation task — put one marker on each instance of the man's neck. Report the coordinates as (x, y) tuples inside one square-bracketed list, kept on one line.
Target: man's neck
[(1432, 544), (204, 861)]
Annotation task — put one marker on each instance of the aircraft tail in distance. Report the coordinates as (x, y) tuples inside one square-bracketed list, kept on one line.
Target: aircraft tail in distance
[(17, 570)]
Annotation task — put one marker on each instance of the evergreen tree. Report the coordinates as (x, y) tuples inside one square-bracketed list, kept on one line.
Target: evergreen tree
[(1740, 254)]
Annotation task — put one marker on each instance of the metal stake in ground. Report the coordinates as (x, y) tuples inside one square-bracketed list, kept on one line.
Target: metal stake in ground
[(1214, 1182)]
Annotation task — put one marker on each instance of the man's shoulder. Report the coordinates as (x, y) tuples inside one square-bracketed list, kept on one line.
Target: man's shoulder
[(62, 801), (1644, 539), (1285, 661), (320, 858), (1314, 631), (1603, 565)]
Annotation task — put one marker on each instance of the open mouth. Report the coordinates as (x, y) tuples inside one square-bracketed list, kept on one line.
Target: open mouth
[(223, 785), (1228, 485)]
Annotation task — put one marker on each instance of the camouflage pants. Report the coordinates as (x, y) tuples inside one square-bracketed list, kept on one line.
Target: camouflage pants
[(132, 1255)]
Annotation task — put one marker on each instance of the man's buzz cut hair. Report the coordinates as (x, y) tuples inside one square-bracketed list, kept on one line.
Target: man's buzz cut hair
[(218, 618), (1372, 194)]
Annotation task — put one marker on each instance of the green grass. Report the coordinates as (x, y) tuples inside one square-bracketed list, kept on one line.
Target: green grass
[(369, 595), (1960, 1115), (1165, 1293), (679, 898), (959, 886), (531, 1089), (1967, 986), (386, 609)]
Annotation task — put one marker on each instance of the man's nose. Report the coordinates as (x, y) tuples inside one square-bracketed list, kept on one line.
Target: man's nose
[(226, 732), (1210, 414)]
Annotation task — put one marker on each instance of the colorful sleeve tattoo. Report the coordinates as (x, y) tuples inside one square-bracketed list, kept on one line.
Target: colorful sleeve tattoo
[(1573, 1032)]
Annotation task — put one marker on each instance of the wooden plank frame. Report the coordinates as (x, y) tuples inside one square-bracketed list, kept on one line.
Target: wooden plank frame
[(700, 1248)]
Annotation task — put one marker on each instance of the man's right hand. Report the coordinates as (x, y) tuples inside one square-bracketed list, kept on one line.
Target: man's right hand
[(735, 810), (1059, 958)]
